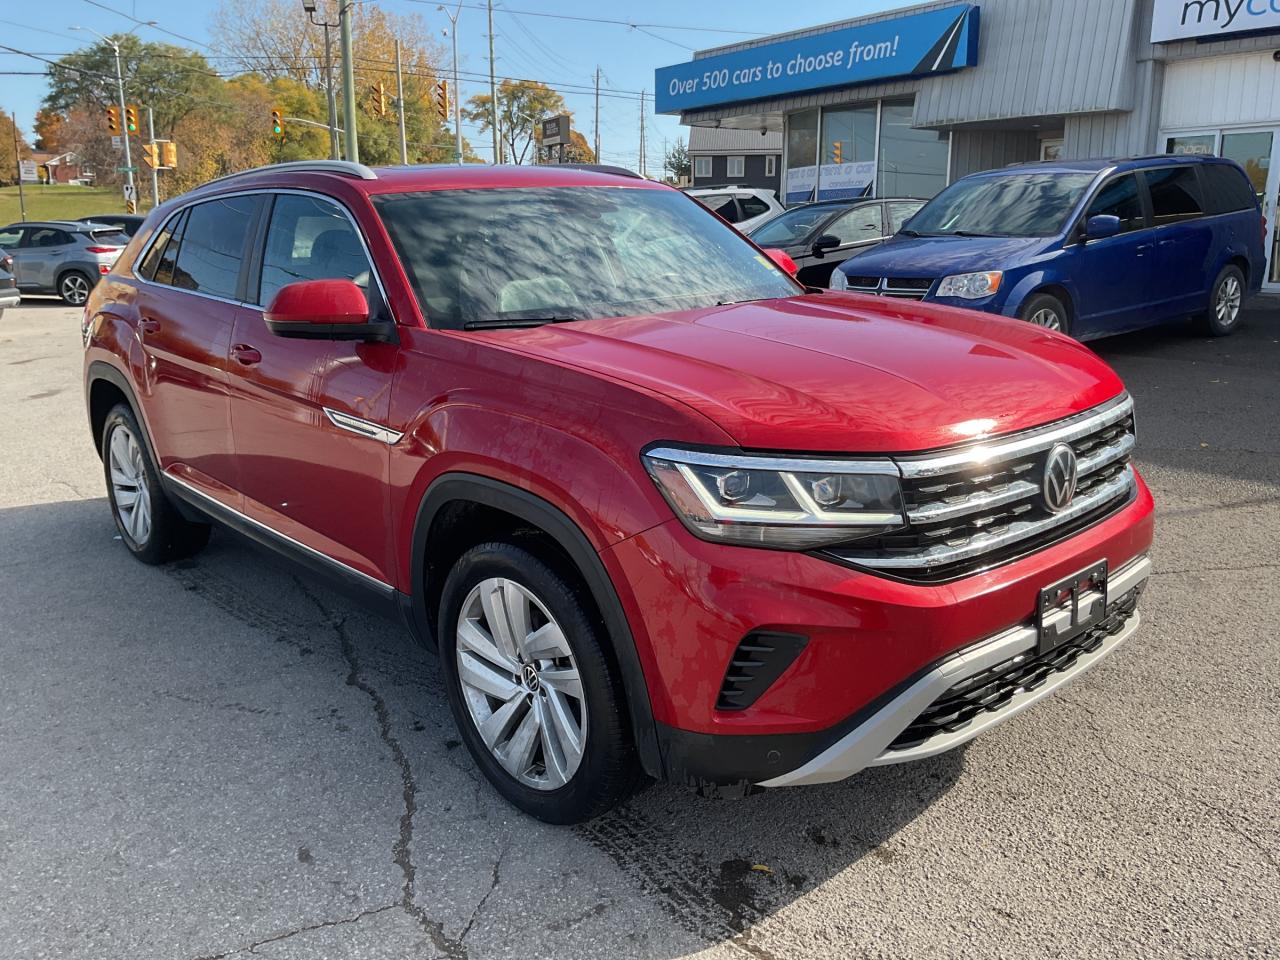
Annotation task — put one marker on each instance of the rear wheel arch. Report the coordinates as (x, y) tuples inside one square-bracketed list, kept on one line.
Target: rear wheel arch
[(461, 510), (105, 386)]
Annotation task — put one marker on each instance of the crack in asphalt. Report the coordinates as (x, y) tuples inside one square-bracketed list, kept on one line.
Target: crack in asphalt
[(341, 922), (493, 885), (1248, 569), (1227, 819)]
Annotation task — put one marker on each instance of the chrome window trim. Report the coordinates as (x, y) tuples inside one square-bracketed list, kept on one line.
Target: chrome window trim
[(372, 581), (364, 245), (1042, 438), (363, 428)]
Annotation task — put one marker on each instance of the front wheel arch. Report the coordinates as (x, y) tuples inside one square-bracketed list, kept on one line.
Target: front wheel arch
[(542, 519)]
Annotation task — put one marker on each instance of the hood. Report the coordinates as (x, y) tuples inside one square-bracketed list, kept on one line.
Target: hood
[(935, 257), (839, 372)]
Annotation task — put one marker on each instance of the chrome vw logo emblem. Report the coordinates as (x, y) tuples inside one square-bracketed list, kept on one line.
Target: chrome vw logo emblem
[(1059, 484), (530, 675)]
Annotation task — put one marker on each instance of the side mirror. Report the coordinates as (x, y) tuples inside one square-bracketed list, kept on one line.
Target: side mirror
[(1101, 226), (824, 243), (322, 310), (782, 259)]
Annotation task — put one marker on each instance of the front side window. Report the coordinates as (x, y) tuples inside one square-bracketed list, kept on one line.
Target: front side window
[(859, 224), (790, 228), (902, 211), (1175, 194), (213, 244), (310, 239), (493, 256), (1120, 198), (702, 167), (1003, 205), (9, 237), (737, 167)]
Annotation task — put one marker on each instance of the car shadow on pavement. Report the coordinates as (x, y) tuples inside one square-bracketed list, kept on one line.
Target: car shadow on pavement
[(304, 730)]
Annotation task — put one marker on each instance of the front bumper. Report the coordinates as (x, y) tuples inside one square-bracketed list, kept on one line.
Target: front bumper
[(873, 741), (9, 297)]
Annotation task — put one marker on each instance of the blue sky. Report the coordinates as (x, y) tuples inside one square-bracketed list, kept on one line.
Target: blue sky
[(557, 51)]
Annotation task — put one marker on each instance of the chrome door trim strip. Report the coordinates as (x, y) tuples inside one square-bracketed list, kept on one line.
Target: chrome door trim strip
[(363, 428), (373, 582)]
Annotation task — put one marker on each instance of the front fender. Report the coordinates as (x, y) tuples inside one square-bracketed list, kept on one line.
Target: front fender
[(1035, 280)]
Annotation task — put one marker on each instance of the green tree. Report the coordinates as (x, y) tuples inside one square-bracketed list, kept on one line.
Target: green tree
[(521, 105), (676, 162)]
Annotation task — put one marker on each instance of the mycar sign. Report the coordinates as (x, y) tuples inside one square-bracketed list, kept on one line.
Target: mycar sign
[(934, 41), (1205, 19)]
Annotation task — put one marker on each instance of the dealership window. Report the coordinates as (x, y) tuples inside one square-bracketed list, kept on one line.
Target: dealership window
[(702, 167), (802, 157), (1197, 144), (737, 168), (770, 165), (847, 167), (913, 163)]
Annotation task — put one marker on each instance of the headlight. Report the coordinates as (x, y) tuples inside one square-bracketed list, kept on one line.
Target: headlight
[(838, 280), (773, 502), (970, 286)]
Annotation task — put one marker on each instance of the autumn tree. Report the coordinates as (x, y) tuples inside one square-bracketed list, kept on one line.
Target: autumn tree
[(8, 159), (522, 104), (50, 132)]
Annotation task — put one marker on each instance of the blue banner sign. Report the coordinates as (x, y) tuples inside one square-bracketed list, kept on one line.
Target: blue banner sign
[(935, 41)]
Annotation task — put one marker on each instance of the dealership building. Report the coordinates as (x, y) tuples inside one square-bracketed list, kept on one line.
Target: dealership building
[(902, 102)]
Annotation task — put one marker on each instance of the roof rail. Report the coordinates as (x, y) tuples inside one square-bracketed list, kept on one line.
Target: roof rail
[(343, 167), (602, 168)]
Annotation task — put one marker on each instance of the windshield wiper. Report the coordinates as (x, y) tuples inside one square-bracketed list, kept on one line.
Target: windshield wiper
[(911, 233), (970, 233), (498, 324)]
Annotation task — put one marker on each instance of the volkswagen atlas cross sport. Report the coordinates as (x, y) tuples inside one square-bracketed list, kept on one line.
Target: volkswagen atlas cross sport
[(659, 508)]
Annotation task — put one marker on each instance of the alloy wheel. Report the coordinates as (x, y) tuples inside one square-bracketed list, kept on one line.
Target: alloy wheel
[(1227, 306), (129, 485), (521, 684), (1045, 317), (75, 289)]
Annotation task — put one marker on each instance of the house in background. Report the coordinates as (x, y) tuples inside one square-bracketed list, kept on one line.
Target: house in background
[(744, 158), (62, 168)]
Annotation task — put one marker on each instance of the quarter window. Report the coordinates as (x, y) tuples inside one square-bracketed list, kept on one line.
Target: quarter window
[(147, 269), (212, 250), (1119, 198), (165, 269), (310, 239), (1175, 194), (752, 207)]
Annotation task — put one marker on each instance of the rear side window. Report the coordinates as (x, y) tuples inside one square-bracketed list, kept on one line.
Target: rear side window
[(310, 239), (212, 248), (1175, 194), (723, 205), (1119, 198), (47, 237), (752, 207), (1226, 189)]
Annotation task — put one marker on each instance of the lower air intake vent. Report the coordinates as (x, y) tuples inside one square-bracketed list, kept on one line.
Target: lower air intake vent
[(760, 659)]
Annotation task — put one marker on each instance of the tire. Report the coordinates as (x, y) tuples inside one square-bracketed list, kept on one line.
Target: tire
[(1046, 310), (74, 288), (505, 687), (148, 522), (1226, 300)]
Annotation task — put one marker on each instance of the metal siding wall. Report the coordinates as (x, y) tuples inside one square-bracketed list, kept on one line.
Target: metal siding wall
[(1244, 88), (975, 150)]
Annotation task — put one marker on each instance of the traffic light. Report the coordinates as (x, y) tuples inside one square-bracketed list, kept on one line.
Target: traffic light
[(379, 99), (169, 152), (277, 123), (151, 155), (131, 119), (113, 119), (442, 99), (837, 152)]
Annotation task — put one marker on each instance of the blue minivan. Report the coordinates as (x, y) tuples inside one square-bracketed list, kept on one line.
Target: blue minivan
[(1088, 247)]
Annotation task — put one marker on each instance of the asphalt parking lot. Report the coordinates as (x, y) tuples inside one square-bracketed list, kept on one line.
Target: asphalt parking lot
[(222, 759)]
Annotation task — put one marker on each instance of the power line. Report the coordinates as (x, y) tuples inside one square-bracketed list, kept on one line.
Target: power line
[(620, 23), (147, 23)]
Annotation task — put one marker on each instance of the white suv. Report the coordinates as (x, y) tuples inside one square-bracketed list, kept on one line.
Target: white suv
[(745, 207)]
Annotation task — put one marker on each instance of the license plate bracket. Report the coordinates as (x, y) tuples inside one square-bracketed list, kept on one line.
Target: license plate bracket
[(1071, 606)]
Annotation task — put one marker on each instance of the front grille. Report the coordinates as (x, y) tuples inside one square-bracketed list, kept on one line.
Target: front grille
[(972, 508), (909, 288), (991, 690), (760, 658)]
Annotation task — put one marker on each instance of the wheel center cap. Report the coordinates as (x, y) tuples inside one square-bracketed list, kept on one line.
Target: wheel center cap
[(530, 675)]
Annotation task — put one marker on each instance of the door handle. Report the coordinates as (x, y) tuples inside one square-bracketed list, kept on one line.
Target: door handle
[(149, 325), (245, 355), (1142, 248)]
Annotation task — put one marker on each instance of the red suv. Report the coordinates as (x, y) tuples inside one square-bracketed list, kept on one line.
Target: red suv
[(659, 508)]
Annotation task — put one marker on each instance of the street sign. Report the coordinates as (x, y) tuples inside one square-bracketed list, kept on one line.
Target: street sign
[(117, 143), (130, 192), (28, 173), (555, 130), (126, 169)]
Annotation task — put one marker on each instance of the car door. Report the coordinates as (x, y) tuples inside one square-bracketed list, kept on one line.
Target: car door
[(43, 251), (10, 242), (191, 289), (1184, 240), (308, 415), (1115, 276), (855, 230)]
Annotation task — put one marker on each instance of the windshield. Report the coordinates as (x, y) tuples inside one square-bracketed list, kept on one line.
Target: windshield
[(481, 257), (109, 235), (1008, 205), (794, 225)]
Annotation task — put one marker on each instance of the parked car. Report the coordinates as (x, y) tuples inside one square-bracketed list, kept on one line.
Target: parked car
[(745, 207), (527, 409), (9, 295), (128, 223), (1086, 247), (63, 257), (820, 236)]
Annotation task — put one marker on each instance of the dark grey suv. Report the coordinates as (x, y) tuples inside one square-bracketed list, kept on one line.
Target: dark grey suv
[(62, 257)]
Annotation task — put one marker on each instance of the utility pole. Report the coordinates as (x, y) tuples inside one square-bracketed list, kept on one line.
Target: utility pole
[(310, 7), (642, 172), (457, 91), (348, 82), (404, 146), (597, 124), (155, 174), (493, 93), (17, 160)]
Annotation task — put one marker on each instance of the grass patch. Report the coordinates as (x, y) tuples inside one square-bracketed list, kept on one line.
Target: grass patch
[(60, 202)]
